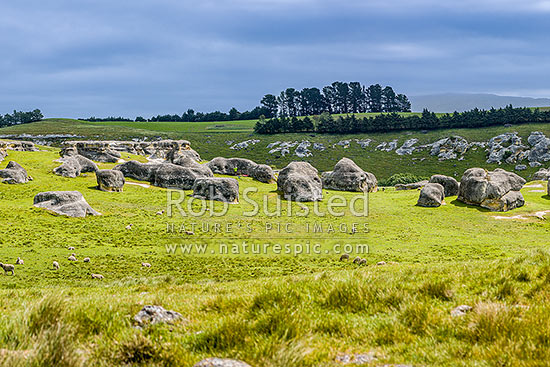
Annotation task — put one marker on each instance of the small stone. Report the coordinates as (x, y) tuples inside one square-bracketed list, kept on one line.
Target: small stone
[(461, 310), (155, 315), (221, 362)]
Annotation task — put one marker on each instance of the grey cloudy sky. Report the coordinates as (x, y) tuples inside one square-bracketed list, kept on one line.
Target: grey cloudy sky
[(78, 58)]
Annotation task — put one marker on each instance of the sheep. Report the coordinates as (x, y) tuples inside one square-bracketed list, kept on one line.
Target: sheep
[(86, 260), (363, 262), (19, 261), (72, 258), (146, 265), (71, 248), (55, 265), (97, 276), (344, 257), (129, 226), (8, 268), (357, 260), (381, 263), (189, 233), (160, 212)]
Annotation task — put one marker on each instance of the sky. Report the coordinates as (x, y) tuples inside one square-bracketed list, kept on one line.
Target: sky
[(82, 58)]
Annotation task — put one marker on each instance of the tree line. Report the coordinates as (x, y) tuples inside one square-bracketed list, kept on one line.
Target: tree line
[(20, 117), (192, 116), (351, 124), (337, 98)]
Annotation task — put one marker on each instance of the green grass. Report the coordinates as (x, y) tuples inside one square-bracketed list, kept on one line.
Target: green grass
[(212, 141), (270, 310)]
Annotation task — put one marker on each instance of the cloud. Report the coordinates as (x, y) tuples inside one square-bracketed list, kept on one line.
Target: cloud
[(99, 57)]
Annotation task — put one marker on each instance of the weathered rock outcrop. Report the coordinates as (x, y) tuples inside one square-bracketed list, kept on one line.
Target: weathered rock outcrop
[(166, 175), (496, 190), (412, 186), (506, 147), (172, 176), (217, 188), (348, 176), (137, 170), (73, 165), (20, 146), (109, 151), (431, 195), (540, 151), (449, 148), (263, 173), (542, 174), (69, 168), (299, 181), (449, 184), (242, 166), (110, 180), (407, 147), (68, 203), (14, 174)]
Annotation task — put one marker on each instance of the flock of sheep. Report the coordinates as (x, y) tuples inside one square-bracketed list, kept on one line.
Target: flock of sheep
[(10, 269)]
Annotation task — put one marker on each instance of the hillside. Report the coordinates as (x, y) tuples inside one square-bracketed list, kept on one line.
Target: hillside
[(218, 138), (301, 309), (450, 102)]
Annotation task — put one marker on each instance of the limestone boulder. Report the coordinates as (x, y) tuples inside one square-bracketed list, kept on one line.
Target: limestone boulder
[(150, 315), (201, 169), (542, 174), (216, 188), (14, 174), (220, 362), (242, 167), (69, 168), (497, 190), (299, 181), (137, 170), (449, 184), (348, 176), (68, 203), (110, 180), (172, 176), (431, 195), (412, 186), (263, 173)]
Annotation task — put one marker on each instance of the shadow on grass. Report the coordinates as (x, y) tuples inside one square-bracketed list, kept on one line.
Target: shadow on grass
[(460, 204), (546, 197)]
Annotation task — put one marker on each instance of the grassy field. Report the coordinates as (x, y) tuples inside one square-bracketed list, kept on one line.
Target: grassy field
[(212, 140), (270, 309)]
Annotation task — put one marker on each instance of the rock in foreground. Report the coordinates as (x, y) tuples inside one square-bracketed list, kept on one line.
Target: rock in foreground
[(137, 170), (216, 188), (242, 166), (172, 176), (431, 195), (449, 184), (348, 176), (110, 180), (299, 181), (150, 315), (497, 190), (14, 174), (69, 203), (220, 362)]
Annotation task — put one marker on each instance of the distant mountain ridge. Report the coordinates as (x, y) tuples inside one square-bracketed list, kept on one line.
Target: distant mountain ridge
[(450, 102)]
